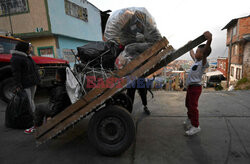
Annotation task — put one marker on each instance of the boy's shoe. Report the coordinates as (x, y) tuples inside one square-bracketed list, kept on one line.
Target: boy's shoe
[(146, 110), (193, 130), (187, 124), (30, 130)]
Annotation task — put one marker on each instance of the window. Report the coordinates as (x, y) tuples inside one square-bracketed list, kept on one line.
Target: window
[(235, 49), (234, 30), (232, 71), (13, 7), (69, 55), (238, 73), (6, 45), (220, 65), (76, 11), (46, 51)]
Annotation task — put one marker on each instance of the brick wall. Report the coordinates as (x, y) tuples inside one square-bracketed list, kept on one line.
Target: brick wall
[(222, 65), (246, 61), (242, 28), (237, 53), (229, 32)]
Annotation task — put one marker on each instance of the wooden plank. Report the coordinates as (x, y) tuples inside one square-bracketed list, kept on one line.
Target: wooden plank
[(97, 91), (176, 54), (137, 73)]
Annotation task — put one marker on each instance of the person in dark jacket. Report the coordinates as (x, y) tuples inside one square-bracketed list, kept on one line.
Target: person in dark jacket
[(25, 71), (58, 101)]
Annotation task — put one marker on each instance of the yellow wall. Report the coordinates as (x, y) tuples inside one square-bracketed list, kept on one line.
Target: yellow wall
[(43, 42), (27, 22)]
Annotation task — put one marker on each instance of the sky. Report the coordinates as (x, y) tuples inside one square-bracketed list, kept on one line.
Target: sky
[(183, 20)]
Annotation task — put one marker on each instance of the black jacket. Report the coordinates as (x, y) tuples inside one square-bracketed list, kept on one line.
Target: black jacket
[(59, 99), (24, 69)]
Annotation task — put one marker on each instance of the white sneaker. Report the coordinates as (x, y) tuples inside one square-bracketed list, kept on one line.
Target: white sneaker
[(187, 123), (193, 130)]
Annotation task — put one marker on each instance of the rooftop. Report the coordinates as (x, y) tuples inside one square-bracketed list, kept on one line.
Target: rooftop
[(233, 22)]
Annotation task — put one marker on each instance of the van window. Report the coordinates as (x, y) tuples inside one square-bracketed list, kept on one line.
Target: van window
[(6, 45)]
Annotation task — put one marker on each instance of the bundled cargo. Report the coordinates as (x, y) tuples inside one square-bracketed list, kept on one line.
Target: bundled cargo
[(129, 53), (97, 54), (131, 25)]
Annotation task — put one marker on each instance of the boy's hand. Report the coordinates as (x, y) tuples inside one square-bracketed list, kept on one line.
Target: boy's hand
[(208, 35)]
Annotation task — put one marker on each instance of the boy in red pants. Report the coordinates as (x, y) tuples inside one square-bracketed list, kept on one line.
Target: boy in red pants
[(194, 87)]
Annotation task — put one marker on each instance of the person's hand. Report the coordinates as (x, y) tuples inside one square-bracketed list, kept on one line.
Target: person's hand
[(208, 35)]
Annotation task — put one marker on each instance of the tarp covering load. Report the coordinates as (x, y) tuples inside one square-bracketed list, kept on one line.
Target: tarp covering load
[(131, 25), (99, 53), (129, 53)]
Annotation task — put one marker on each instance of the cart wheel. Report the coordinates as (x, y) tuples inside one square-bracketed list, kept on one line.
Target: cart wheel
[(123, 100), (111, 130)]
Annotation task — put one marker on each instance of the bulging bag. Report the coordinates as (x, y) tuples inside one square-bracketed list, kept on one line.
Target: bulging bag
[(17, 114), (131, 25)]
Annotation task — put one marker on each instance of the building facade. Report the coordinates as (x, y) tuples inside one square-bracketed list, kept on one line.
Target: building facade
[(54, 27), (238, 35), (222, 65)]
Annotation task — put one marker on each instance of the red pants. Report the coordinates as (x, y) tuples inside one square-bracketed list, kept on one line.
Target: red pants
[(192, 98)]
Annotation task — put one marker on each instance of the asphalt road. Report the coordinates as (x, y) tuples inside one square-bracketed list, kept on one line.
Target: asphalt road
[(224, 139)]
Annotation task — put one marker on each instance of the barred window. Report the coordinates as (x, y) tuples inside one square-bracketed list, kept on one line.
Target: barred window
[(13, 7), (76, 11)]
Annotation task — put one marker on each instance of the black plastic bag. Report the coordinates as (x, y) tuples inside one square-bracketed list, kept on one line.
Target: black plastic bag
[(99, 53), (17, 114)]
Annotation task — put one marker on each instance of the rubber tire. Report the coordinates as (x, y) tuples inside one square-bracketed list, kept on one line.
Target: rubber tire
[(6, 88), (94, 129), (120, 99)]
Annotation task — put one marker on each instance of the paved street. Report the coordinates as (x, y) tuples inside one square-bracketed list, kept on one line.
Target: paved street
[(224, 139)]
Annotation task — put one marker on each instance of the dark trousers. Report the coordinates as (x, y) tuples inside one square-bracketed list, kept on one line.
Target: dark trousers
[(142, 93), (42, 110), (192, 98)]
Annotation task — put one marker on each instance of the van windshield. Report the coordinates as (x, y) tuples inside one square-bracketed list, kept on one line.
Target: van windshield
[(6, 45)]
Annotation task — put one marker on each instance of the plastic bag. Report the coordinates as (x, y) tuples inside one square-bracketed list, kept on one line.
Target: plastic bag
[(17, 114), (131, 25), (129, 53), (73, 87), (99, 53)]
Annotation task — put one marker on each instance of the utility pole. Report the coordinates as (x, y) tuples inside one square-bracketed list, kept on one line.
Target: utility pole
[(11, 29), (7, 8), (229, 59)]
